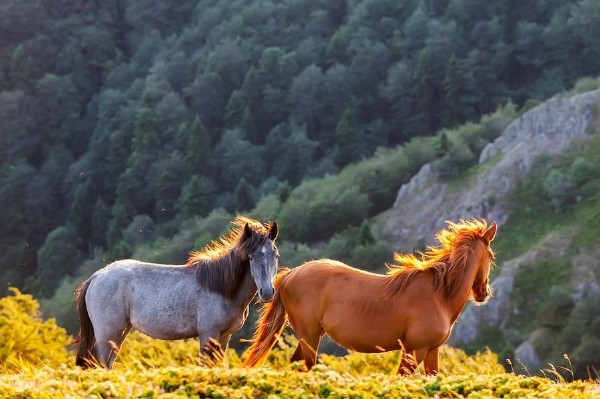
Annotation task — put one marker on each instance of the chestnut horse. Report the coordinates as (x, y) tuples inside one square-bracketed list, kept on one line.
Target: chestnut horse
[(412, 308)]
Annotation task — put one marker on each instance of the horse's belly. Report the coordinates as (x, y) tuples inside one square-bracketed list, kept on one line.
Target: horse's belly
[(173, 331), (364, 342), (367, 335)]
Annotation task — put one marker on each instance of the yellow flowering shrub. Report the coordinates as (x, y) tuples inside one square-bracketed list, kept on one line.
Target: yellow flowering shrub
[(25, 338)]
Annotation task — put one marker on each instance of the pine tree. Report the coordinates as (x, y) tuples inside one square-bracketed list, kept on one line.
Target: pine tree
[(197, 197), (347, 137), (134, 187), (243, 196), (235, 110), (452, 88), (199, 157)]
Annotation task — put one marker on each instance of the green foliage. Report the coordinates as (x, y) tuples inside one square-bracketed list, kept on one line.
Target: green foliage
[(533, 289), (197, 197), (149, 117), (579, 336), (26, 338), (585, 84), (61, 306), (317, 209), (243, 196), (560, 188), (56, 258), (357, 247)]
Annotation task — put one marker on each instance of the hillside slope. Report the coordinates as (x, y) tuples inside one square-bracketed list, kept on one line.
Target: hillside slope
[(548, 281)]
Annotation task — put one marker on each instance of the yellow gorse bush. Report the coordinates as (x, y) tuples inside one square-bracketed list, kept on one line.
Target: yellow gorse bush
[(26, 338)]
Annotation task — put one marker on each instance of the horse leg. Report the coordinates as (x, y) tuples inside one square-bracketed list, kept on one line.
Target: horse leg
[(108, 343), (297, 355), (431, 361), (410, 360), (224, 342), (212, 347), (309, 335)]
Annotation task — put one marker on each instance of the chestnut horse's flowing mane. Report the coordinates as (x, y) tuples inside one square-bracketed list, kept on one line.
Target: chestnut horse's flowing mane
[(447, 261), (220, 266)]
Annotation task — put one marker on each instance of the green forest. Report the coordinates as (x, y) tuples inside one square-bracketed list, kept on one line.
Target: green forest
[(140, 129)]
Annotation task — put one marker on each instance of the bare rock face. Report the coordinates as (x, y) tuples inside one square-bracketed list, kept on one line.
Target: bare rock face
[(425, 203)]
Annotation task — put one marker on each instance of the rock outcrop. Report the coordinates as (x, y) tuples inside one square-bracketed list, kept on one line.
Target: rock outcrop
[(548, 129)]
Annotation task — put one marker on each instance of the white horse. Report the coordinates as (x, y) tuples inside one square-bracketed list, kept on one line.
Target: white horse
[(207, 298)]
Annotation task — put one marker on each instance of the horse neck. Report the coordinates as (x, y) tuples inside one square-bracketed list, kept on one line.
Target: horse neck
[(247, 289), (457, 302)]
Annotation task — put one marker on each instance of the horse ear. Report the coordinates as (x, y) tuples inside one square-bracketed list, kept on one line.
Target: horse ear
[(490, 233), (247, 232), (273, 231)]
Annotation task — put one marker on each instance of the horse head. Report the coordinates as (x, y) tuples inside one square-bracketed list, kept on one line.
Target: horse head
[(481, 290), (263, 260)]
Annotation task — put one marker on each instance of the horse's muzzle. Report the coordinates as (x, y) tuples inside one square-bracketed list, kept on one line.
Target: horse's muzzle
[(266, 295), (484, 296)]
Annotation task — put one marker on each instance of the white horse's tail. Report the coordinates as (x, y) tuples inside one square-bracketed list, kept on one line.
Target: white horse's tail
[(86, 339)]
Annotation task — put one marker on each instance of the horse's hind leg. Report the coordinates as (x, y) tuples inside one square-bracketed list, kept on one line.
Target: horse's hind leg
[(410, 360), (431, 361), (309, 335), (108, 343)]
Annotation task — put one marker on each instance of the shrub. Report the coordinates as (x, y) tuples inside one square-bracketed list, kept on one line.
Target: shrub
[(26, 338), (586, 84), (560, 189), (579, 336), (458, 159), (318, 208)]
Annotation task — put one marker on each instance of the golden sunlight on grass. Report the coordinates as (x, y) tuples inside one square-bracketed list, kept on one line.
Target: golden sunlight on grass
[(149, 368)]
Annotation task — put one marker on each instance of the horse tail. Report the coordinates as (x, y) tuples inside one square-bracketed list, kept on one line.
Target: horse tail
[(269, 326), (86, 339)]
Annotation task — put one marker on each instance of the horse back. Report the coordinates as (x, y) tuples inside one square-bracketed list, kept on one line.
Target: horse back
[(319, 284)]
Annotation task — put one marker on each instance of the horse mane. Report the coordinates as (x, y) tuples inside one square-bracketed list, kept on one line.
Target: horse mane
[(447, 261), (222, 265)]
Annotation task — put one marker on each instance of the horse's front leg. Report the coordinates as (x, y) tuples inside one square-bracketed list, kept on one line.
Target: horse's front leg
[(212, 347), (431, 361)]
